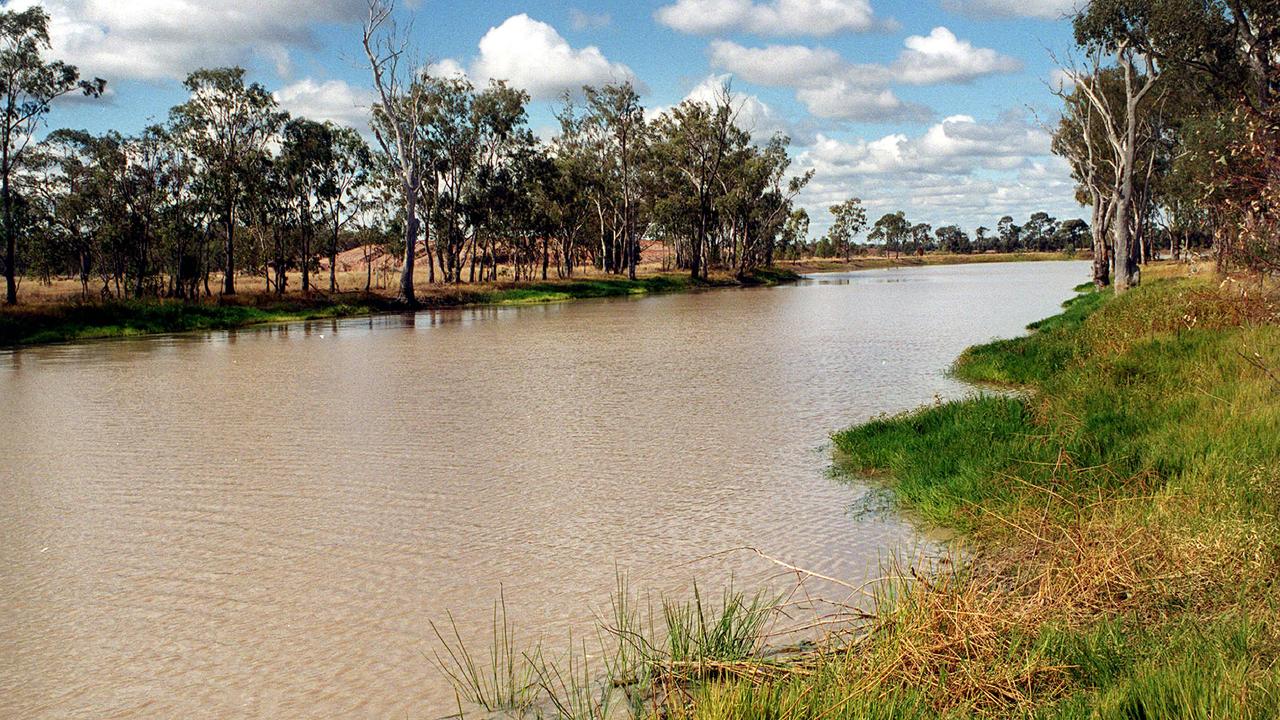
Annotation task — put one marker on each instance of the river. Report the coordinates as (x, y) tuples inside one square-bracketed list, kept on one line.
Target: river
[(262, 523)]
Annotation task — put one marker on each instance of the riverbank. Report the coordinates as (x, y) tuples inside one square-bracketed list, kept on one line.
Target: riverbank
[(51, 322), (54, 318), (878, 262), (1120, 518)]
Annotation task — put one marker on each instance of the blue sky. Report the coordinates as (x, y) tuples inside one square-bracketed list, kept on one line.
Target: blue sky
[(936, 107)]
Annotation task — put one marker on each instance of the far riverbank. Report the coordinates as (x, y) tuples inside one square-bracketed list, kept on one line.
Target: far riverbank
[(54, 319)]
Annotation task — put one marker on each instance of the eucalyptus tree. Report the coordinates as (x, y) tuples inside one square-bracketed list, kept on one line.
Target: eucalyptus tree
[(849, 219), (756, 202), (398, 79), (695, 139), (486, 175), (1009, 234), (1080, 140), (1070, 234), (62, 169), (29, 85), (1111, 28), (226, 125), (921, 236), (149, 166), (795, 234), (982, 241), (1225, 56), (268, 215), (566, 201), (953, 240), (450, 138), (1038, 232), (305, 154), (108, 194), (892, 231), (343, 182), (616, 119)]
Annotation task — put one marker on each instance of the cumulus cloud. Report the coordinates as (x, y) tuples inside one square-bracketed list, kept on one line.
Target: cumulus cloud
[(941, 57), (776, 17), (333, 100), (777, 65), (958, 144), (447, 68), (753, 114), (533, 56), (1042, 9), (959, 170), (164, 39), (831, 87), (844, 99)]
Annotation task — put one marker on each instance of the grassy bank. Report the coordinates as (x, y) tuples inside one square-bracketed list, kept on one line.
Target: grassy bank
[(1122, 515), (61, 322)]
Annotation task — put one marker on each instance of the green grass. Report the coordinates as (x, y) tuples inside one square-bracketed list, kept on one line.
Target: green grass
[(1146, 444), (978, 438), (560, 291), (1034, 358)]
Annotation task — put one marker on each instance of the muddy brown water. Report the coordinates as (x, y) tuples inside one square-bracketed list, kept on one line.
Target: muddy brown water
[(262, 523)]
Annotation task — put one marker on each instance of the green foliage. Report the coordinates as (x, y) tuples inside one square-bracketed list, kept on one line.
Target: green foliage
[(29, 85)]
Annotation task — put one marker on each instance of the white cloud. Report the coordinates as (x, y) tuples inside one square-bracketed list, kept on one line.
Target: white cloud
[(163, 39), (533, 56), (942, 57), (1061, 80), (958, 144), (959, 170), (777, 65), (447, 68), (843, 99), (827, 85), (776, 17), (1042, 9), (831, 87), (330, 100), (753, 114)]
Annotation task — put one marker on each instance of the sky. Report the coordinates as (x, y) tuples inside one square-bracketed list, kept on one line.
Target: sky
[(940, 108)]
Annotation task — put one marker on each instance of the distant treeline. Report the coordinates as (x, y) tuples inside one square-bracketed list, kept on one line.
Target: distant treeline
[(894, 233)]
